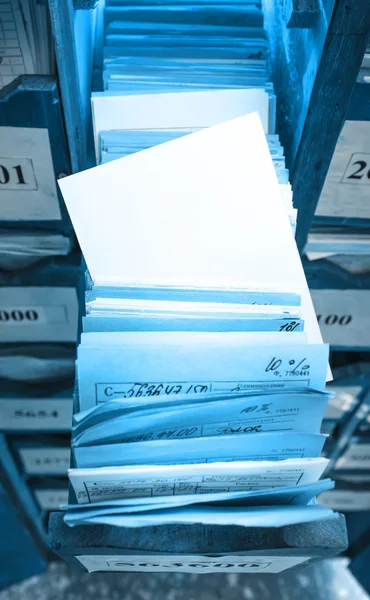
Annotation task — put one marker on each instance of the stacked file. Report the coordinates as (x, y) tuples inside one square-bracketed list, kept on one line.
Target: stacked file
[(171, 68), (349, 250), (201, 370), (178, 45), (22, 249), (124, 125)]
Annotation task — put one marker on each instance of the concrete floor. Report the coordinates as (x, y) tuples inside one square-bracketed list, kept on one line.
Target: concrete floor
[(328, 580)]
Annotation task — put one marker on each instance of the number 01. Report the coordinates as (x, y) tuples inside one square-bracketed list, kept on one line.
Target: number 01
[(5, 175)]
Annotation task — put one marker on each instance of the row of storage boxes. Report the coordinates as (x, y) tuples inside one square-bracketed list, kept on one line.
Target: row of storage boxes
[(337, 262), (40, 304), (34, 153), (344, 197), (40, 278)]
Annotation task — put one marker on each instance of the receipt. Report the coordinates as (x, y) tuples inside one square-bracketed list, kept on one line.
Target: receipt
[(98, 485), (232, 416), (115, 406), (188, 362), (225, 448), (297, 495)]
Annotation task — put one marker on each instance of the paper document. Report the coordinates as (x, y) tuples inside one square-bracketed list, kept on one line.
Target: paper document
[(94, 485), (191, 109), (188, 362), (132, 407), (296, 495), (231, 254), (224, 448), (233, 416)]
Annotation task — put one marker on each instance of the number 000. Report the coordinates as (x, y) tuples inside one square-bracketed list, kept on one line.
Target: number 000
[(18, 315)]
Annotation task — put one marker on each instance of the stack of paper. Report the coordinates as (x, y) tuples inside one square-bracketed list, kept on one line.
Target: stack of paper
[(201, 369), (175, 45), (172, 67), (21, 249), (348, 250)]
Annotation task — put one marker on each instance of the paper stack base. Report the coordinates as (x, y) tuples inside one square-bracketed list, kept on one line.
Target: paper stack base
[(190, 548)]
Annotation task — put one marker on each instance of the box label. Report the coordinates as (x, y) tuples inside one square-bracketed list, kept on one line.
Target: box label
[(345, 500), (38, 314), (343, 316), (51, 499), (45, 461), (190, 564), (40, 414), (28, 189), (357, 456), (346, 192)]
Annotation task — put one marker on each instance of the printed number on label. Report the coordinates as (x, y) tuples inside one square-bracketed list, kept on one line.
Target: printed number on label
[(334, 319), (40, 414), (358, 169), (17, 174), (18, 315)]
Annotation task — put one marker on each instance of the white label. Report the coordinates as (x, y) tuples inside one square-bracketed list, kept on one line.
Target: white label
[(357, 456), (27, 180), (190, 564), (45, 461), (345, 500), (343, 316), (38, 314), (346, 192), (19, 414), (17, 174), (358, 169), (51, 499)]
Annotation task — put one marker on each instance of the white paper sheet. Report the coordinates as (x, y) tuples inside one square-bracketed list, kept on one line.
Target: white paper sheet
[(200, 203), (204, 362), (245, 562), (296, 495), (225, 448), (94, 485), (233, 416), (186, 109)]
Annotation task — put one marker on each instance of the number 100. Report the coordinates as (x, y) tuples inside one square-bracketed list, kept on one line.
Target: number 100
[(334, 319)]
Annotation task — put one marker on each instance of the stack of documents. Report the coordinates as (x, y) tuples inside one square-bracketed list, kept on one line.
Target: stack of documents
[(21, 249), (36, 364), (175, 45), (171, 67), (124, 125), (348, 249), (201, 370)]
